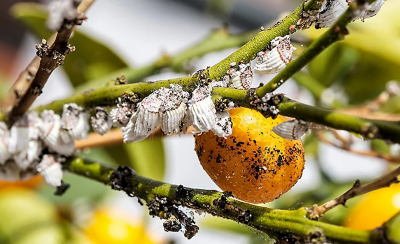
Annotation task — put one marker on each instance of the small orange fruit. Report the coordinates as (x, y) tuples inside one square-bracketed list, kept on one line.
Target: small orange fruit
[(374, 209), (34, 182), (109, 226), (254, 163)]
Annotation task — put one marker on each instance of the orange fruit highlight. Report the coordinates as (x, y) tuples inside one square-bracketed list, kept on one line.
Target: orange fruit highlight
[(374, 209), (254, 163), (108, 227)]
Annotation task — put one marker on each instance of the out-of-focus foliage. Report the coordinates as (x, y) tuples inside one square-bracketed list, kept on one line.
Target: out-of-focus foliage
[(361, 65), (92, 59)]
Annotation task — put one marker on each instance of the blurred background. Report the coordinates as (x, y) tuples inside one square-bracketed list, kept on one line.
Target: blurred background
[(139, 39)]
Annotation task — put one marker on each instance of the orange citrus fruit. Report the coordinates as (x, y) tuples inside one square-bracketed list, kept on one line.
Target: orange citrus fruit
[(31, 183), (374, 209), (254, 163)]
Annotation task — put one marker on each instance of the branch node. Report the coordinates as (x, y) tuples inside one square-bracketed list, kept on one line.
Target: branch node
[(42, 48)]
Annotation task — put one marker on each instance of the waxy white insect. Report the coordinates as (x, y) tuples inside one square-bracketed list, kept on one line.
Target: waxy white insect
[(60, 10), (4, 137), (223, 125), (202, 113), (239, 76), (370, 10), (101, 121), (293, 129), (330, 12), (173, 110), (276, 57), (51, 170), (146, 119), (23, 131), (51, 134), (24, 143), (75, 121)]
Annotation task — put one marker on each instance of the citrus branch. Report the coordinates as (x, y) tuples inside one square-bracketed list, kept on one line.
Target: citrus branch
[(346, 146), (31, 81), (386, 180), (278, 223), (246, 53), (333, 34)]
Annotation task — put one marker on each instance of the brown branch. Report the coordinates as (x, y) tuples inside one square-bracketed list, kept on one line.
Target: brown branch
[(386, 180), (31, 81), (346, 146), (113, 137)]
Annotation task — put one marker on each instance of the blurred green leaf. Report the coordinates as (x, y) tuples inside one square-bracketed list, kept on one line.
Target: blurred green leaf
[(391, 106), (333, 64), (27, 218), (380, 146), (91, 60), (146, 157)]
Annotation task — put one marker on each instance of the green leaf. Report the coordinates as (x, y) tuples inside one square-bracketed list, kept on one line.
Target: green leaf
[(391, 106), (146, 157), (380, 146), (91, 60), (26, 216)]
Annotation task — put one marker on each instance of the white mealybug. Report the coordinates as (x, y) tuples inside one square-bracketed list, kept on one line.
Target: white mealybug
[(293, 129), (330, 12), (60, 10), (202, 113), (4, 138), (223, 125), (51, 170), (101, 121), (219, 83), (370, 10), (24, 141), (275, 57), (75, 121), (240, 77), (146, 119), (121, 115), (23, 131), (50, 132), (173, 110)]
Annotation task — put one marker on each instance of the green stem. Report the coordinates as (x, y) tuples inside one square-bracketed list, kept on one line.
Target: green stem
[(335, 33), (218, 39), (370, 129), (270, 221)]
